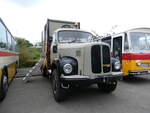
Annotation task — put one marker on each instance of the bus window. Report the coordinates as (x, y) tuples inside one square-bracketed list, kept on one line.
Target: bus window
[(140, 41), (126, 44), (3, 39), (148, 40), (14, 45), (9, 41)]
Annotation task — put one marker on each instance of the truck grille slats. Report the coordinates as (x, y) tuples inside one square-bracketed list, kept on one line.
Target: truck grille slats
[(106, 59), (96, 59), (99, 64)]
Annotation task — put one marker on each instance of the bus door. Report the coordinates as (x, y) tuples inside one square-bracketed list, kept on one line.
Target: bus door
[(117, 47)]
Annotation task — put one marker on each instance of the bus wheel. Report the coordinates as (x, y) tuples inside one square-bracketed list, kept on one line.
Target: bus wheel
[(58, 92), (4, 85), (107, 87)]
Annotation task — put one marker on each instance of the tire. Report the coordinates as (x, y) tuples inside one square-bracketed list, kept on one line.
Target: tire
[(4, 85), (44, 72), (107, 87), (58, 92)]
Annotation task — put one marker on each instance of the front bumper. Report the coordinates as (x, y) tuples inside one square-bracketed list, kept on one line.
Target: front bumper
[(72, 79), (139, 72)]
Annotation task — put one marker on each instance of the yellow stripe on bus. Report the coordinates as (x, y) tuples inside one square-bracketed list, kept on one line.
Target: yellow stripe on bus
[(130, 65), (11, 71)]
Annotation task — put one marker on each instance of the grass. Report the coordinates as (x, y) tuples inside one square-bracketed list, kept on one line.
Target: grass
[(29, 56)]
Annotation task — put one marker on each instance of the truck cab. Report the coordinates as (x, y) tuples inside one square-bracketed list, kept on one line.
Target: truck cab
[(72, 59)]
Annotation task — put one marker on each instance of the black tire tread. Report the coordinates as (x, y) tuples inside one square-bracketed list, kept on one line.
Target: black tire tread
[(107, 87), (60, 94), (3, 92)]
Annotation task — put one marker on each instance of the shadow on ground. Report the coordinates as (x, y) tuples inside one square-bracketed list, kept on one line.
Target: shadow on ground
[(138, 80), (88, 94)]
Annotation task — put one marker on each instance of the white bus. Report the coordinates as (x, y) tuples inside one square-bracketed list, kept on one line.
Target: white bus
[(8, 59)]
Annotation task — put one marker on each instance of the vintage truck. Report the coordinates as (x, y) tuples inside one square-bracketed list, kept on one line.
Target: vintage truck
[(71, 58)]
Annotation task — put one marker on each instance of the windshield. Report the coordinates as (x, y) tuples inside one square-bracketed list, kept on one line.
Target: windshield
[(71, 36), (140, 41)]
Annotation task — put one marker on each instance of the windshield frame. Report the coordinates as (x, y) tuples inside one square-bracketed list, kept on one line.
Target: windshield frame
[(147, 49), (73, 40)]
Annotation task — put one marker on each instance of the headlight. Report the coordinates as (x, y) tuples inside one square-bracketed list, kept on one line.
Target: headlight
[(67, 68), (117, 65), (138, 63)]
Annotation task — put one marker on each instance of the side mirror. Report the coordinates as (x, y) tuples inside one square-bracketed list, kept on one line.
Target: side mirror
[(55, 49)]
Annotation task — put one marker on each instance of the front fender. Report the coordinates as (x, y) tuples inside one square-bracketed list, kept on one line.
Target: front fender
[(68, 60)]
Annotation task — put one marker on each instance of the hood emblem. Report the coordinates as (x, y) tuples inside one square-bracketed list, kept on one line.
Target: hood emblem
[(106, 65)]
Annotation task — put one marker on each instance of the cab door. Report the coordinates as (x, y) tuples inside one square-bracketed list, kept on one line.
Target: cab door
[(117, 47)]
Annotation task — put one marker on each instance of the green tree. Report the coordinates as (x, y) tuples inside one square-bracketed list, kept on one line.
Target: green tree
[(23, 42), (28, 55)]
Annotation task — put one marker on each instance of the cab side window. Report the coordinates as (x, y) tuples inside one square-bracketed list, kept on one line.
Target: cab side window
[(54, 38), (3, 37)]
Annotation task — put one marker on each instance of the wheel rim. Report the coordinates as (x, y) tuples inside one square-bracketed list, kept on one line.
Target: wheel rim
[(5, 83)]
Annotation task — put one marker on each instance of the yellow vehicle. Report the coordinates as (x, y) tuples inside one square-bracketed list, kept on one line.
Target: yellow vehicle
[(8, 59), (132, 48)]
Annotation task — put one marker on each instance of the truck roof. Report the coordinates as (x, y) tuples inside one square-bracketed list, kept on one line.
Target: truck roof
[(71, 29), (57, 24)]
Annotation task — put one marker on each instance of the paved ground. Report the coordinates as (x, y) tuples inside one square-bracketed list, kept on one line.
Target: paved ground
[(132, 96)]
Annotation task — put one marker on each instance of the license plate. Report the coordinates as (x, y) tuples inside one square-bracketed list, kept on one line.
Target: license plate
[(145, 65)]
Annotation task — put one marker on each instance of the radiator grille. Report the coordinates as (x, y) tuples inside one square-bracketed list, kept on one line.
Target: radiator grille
[(96, 59), (106, 59)]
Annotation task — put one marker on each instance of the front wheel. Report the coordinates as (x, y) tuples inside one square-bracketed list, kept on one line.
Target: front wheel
[(58, 92), (4, 86), (108, 87)]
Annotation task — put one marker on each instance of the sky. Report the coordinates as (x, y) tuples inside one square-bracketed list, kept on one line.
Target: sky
[(26, 18)]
